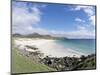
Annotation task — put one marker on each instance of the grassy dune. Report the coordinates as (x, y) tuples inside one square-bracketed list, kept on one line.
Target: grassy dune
[(22, 64)]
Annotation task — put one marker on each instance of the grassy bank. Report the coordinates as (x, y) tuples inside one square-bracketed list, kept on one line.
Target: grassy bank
[(21, 64)]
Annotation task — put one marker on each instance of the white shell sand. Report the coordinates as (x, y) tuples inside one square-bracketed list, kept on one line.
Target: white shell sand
[(47, 47)]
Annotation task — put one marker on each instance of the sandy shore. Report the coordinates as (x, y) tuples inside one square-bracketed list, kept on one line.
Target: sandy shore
[(47, 47)]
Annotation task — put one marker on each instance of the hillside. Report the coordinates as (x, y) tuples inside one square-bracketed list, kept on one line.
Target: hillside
[(71, 63), (22, 64), (88, 63), (37, 35)]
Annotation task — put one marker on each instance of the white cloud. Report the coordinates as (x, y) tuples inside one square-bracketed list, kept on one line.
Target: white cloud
[(79, 7), (41, 31), (79, 20), (92, 19), (23, 20), (80, 32), (81, 27), (88, 10)]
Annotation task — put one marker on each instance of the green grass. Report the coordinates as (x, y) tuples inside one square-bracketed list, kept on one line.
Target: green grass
[(89, 63), (21, 64)]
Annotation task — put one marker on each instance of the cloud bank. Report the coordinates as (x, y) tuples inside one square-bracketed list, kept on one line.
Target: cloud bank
[(24, 18)]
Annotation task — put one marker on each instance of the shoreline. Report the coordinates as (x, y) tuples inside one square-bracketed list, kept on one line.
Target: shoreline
[(34, 48), (47, 47)]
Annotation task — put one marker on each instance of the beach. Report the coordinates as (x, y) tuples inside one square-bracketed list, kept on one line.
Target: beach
[(46, 46)]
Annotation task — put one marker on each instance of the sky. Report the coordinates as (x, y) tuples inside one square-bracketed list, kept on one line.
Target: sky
[(63, 20)]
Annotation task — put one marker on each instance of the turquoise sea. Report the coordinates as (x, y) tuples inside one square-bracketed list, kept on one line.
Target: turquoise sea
[(86, 46)]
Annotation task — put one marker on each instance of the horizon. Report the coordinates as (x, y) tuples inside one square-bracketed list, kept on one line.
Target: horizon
[(68, 20)]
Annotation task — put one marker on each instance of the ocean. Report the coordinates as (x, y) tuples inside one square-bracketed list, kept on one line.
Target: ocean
[(86, 46)]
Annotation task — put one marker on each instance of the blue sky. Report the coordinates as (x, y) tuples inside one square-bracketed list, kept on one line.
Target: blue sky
[(72, 21)]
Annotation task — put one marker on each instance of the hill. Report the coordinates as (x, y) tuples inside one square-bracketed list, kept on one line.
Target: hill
[(37, 35), (21, 64)]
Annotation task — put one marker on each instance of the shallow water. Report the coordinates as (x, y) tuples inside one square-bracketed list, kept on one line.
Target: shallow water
[(86, 46)]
